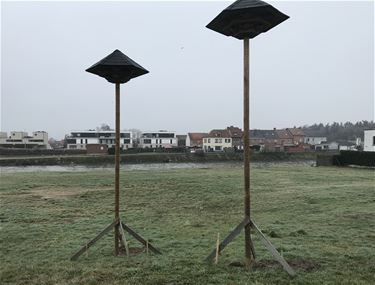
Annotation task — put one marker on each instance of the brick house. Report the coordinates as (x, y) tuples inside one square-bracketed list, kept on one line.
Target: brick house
[(298, 135), (237, 137), (267, 140)]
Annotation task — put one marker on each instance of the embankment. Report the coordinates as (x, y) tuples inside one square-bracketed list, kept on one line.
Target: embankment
[(150, 158)]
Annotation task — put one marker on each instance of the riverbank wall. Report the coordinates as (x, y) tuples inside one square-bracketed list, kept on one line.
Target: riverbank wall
[(151, 158)]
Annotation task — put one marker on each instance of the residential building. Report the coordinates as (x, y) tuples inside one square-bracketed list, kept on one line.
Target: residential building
[(38, 139), (237, 137), (80, 139), (159, 139), (285, 137), (369, 140), (265, 140), (331, 146), (195, 140), (181, 140), (217, 140), (298, 135), (311, 140)]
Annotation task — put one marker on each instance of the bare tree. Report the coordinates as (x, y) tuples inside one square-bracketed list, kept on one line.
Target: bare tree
[(104, 127)]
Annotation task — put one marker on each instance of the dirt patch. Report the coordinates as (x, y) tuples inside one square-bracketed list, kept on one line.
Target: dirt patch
[(296, 263), (57, 192), (133, 250)]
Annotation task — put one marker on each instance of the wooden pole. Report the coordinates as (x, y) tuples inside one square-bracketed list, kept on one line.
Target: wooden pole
[(246, 126), (217, 249), (117, 170)]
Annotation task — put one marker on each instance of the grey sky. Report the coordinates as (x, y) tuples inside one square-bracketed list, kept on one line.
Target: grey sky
[(318, 66)]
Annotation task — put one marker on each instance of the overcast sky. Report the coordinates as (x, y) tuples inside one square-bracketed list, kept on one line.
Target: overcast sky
[(318, 66)]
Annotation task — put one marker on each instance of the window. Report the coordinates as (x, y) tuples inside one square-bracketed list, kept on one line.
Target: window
[(171, 141), (85, 141), (373, 140), (81, 141), (209, 140), (147, 141), (205, 140), (126, 141), (217, 147)]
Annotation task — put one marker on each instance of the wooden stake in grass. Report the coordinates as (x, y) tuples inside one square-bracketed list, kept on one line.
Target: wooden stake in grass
[(217, 248)]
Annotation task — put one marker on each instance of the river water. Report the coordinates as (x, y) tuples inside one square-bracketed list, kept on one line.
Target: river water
[(149, 166)]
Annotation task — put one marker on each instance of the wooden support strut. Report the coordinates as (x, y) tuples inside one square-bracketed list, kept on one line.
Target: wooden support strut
[(123, 239), (140, 239), (273, 250), (228, 239), (93, 241)]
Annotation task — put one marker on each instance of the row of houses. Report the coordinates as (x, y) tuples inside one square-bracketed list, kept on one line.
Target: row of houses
[(231, 138), (85, 139), (38, 139), (287, 140)]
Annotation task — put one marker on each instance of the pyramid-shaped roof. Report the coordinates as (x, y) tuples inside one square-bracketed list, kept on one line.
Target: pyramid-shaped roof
[(247, 19), (117, 68)]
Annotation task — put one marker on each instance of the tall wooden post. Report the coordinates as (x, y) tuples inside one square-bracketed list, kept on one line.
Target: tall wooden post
[(246, 126), (117, 170), (124, 70)]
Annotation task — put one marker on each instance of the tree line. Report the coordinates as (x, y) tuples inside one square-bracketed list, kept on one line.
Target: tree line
[(339, 131)]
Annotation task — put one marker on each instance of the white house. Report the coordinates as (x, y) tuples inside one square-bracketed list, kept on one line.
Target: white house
[(79, 139), (217, 140), (327, 146), (38, 139), (158, 139), (369, 141), (314, 140)]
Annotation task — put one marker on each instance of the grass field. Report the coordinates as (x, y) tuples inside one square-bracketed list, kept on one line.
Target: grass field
[(321, 219)]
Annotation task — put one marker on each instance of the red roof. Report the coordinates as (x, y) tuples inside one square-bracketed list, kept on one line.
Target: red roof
[(235, 132), (218, 134), (196, 136), (284, 134)]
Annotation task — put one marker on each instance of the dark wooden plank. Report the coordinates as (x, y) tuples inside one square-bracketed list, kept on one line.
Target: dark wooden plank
[(228, 239), (140, 239), (273, 250), (252, 249), (93, 241)]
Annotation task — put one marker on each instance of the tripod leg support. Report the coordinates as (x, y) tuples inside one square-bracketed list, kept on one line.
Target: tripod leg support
[(273, 250), (92, 242), (228, 239), (140, 239)]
